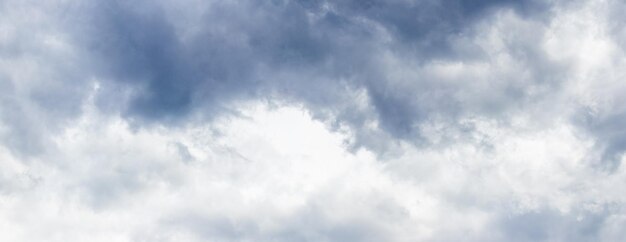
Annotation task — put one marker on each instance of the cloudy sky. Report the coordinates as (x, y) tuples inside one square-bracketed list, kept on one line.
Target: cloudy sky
[(312, 120)]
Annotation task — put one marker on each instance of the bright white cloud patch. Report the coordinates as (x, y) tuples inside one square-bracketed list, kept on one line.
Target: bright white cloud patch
[(275, 174)]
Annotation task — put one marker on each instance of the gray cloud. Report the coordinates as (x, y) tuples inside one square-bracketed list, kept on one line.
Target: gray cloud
[(162, 62), (308, 52), (487, 120)]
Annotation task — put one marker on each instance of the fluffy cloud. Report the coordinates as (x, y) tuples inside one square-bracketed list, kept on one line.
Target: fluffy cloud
[(312, 120), (274, 174)]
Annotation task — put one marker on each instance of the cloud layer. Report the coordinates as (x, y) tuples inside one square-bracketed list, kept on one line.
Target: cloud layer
[(303, 120)]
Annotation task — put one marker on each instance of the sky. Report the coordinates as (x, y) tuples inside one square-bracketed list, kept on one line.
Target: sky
[(312, 120)]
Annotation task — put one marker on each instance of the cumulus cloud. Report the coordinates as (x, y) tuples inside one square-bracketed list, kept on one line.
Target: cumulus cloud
[(304, 120)]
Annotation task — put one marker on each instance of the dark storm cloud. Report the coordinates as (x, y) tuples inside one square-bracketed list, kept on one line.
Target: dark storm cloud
[(311, 52), (159, 62)]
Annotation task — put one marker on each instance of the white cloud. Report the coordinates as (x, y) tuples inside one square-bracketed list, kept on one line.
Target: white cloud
[(275, 174)]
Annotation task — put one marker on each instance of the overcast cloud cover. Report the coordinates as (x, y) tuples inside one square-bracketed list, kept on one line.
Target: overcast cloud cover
[(312, 120)]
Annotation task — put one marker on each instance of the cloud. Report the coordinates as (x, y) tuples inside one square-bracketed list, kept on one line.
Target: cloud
[(275, 174), (311, 120), (317, 53), (171, 62)]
